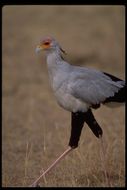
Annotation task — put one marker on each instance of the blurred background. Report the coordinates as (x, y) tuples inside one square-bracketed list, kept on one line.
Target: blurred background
[(35, 130)]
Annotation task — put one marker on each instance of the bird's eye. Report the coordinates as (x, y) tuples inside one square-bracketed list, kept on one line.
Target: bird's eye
[(46, 43)]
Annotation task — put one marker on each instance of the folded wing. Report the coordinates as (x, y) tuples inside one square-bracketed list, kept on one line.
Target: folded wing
[(92, 86)]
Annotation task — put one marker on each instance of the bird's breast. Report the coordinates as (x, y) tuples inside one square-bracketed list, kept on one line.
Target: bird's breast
[(68, 101)]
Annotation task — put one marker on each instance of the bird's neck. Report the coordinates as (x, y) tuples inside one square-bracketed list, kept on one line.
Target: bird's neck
[(54, 60)]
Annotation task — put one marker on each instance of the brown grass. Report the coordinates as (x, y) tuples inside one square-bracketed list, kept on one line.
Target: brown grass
[(35, 129)]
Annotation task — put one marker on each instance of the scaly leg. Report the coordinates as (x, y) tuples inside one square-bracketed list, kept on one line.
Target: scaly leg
[(35, 184)]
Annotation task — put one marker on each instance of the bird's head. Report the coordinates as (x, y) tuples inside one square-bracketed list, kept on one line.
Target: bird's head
[(49, 44)]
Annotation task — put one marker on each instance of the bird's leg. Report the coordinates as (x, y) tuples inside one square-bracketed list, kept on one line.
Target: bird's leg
[(94, 126), (57, 160), (35, 184), (92, 123), (77, 121)]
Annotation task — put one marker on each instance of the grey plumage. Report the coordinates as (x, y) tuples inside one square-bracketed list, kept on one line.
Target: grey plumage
[(77, 88), (92, 86)]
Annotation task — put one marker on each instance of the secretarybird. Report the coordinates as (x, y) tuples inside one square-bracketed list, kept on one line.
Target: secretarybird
[(78, 90)]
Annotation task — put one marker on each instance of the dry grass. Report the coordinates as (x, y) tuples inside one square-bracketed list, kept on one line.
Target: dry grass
[(35, 129)]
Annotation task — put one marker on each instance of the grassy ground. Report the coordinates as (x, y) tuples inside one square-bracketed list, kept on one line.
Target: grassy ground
[(35, 130)]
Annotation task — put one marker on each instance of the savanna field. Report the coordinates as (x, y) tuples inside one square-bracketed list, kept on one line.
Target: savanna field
[(35, 130)]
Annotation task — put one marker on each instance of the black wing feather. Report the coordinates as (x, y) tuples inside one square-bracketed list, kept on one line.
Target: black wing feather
[(120, 95)]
